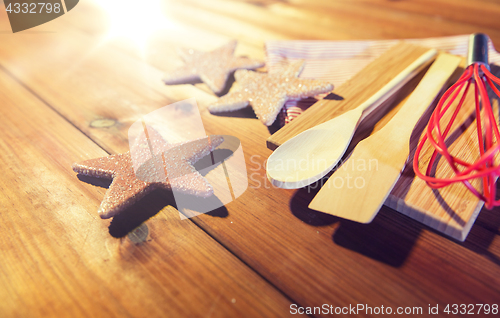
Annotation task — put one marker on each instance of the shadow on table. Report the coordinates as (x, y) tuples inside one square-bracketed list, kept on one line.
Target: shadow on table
[(140, 212), (229, 83), (246, 112), (390, 237), (483, 232), (149, 206), (98, 182)]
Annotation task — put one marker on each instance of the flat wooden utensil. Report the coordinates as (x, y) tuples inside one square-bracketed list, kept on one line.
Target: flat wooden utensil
[(357, 190), (309, 156)]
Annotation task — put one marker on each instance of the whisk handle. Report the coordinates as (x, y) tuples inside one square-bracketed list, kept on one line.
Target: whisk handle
[(478, 49)]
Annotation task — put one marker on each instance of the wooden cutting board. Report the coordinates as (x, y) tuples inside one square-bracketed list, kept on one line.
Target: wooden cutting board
[(451, 210)]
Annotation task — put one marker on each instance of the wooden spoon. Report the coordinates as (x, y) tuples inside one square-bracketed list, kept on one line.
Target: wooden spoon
[(309, 156)]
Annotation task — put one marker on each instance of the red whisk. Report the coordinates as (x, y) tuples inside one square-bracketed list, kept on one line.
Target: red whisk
[(476, 75)]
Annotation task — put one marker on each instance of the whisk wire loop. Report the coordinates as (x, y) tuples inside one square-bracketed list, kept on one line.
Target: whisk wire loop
[(475, 76)]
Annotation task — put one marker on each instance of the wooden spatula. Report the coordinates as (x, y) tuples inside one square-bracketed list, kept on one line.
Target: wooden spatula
[(357, 190)]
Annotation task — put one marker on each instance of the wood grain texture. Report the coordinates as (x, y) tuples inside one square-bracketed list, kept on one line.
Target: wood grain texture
[(362, 19), (101, 87), (376, 163), (59, 257)]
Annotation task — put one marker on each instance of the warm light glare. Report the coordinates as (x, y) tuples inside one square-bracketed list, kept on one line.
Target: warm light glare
[(135, 20)]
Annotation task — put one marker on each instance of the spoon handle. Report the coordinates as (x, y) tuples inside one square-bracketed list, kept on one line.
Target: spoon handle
[(397, 82)]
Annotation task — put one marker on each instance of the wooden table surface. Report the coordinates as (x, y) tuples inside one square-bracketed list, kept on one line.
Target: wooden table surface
[(71, 88)]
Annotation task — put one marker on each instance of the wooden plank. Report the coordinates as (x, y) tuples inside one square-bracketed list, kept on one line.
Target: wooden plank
[(59, 257), (481, 14), (313, 258), (337, 20), (158, 47)]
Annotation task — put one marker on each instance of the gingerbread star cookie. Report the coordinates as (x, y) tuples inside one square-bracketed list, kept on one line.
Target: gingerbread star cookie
[(267, 93), (213, 68), (163, 165)]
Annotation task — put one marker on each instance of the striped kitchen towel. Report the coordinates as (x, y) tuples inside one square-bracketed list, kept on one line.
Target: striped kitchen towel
[(337, 61)]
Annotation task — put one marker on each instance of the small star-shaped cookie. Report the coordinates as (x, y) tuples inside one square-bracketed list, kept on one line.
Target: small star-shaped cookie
[(213, 68), (267, 93), (170, 167)]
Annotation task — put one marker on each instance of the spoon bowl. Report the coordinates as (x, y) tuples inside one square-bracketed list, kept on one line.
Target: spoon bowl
[(310, 155)]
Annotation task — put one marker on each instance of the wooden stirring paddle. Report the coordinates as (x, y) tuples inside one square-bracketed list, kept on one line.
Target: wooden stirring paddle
[(313, 153), (357, 194)]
